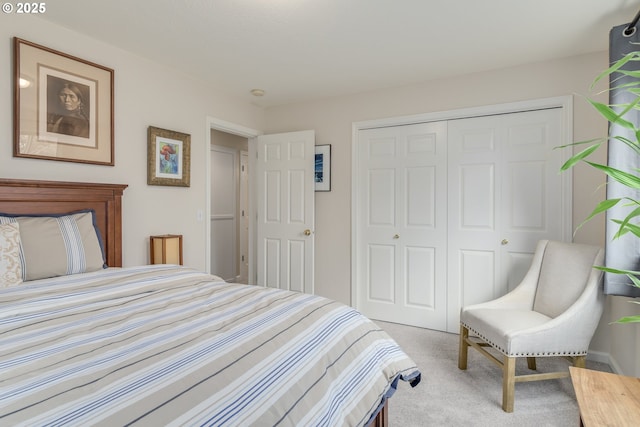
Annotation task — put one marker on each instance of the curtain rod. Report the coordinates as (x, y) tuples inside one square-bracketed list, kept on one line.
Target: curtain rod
[(632, 25)]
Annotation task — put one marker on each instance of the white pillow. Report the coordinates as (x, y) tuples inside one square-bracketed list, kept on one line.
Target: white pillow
[(10, 265)]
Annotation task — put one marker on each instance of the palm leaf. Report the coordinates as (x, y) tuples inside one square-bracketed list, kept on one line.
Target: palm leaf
[(625, 225), (578, 157), (634, 145), (615, 67), (588, 141), (628, 107), (626, 228), (611, 115), (622, 177), (618, 271), (602, 207), (635, 280), (630, 73), (629, 319), (628, 86), (634, 276)]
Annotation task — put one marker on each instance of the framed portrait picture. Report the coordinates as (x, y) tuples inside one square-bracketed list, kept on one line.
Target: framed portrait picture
[(323, 168), (63, 106), (168, 157)]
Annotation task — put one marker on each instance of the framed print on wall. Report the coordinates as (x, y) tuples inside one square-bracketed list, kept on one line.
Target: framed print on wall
[(63, 106), (322, 173), (168, 157)]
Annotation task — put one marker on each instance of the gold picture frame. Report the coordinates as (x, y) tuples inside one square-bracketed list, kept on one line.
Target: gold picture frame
[(168, 157), (63, 106)]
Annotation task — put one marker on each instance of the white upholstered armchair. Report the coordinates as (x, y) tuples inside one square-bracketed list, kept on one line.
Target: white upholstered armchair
[(553, 312)]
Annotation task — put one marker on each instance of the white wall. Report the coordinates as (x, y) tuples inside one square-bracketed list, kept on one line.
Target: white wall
[(332, 120), (146, 94)]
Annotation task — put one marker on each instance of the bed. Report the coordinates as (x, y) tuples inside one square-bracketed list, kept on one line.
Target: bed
[(170, 345)]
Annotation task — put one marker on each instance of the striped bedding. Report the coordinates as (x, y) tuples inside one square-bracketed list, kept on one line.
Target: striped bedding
[(168, 345)]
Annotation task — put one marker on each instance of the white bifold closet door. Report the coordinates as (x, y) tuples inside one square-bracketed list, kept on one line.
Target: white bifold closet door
[(402, 233), (449, 212), (505, 194)]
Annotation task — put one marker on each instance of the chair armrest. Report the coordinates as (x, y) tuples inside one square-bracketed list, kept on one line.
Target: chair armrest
[(567, 334)]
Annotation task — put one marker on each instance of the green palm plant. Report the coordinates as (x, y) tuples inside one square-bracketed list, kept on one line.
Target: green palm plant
[(615, 115)]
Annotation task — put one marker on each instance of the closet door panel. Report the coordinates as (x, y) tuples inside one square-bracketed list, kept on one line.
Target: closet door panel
[(505, 195), (476, 193), (401, 228)]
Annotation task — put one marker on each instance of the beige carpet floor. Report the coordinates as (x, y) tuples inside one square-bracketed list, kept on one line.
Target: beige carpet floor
[(447, 396)]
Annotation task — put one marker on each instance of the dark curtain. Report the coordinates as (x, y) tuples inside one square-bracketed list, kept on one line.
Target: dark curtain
[(623, 252)]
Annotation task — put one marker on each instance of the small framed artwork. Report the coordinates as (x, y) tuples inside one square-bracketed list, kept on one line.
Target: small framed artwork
[(63, 106), (323, 168), (168, 157)]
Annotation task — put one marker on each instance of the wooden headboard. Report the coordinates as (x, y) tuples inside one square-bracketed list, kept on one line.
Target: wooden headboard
[(19, 196)]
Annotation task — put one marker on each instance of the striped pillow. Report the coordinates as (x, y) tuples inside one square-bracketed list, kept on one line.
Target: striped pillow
[(58, 245)]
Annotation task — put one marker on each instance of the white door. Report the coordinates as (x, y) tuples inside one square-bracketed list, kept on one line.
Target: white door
[(401, 225), (223, 213), (505, 194), (285, 210)]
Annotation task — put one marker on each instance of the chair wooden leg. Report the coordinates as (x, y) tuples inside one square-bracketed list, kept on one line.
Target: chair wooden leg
[(531, 363), (508, 383), (580, 361), (464, 348)]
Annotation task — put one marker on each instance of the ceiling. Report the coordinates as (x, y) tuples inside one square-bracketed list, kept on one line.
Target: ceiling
[(300, 50)]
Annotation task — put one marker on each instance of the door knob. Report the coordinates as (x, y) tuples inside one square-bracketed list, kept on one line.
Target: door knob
[(396, 236), (307, 232), (505, 242)]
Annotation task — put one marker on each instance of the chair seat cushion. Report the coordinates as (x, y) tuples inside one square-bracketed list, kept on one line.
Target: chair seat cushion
[(497, 326)]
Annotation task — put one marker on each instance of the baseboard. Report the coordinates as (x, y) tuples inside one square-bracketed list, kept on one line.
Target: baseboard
[(602, 357), (599, 356), (615, 367)]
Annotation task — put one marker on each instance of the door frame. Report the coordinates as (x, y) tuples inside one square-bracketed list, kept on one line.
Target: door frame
[(244, 205), (250, 134), (563, 102)]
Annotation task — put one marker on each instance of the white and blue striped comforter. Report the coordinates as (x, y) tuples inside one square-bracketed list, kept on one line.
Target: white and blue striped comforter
[(168, 345)]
